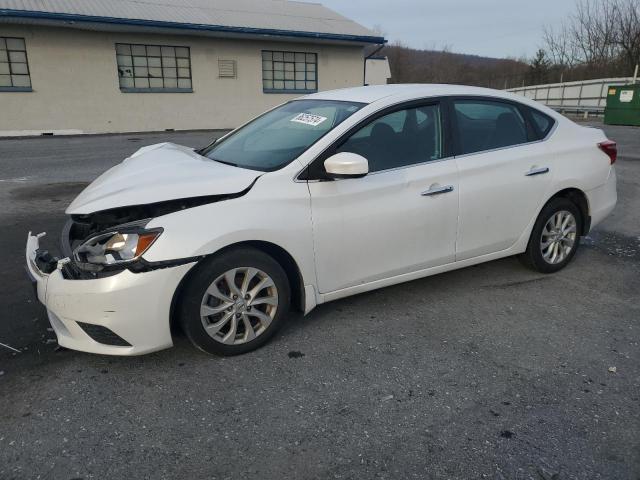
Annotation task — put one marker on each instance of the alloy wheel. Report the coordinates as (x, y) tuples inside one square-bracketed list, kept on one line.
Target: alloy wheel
[(558, 237), (239, 305)]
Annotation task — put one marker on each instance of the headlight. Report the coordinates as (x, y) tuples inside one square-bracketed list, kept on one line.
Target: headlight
[(114, 248)]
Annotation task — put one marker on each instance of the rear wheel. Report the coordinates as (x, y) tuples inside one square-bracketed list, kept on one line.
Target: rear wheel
[(555, 237), (234, 302)]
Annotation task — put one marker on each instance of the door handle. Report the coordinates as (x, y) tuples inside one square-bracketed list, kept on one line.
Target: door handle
[(537, 171), (437, 190)]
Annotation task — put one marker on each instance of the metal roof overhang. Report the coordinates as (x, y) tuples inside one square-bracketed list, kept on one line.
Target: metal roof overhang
[(87, 22)]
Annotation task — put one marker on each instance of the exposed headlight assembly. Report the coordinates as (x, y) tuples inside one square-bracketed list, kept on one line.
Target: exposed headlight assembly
[(114, 248)]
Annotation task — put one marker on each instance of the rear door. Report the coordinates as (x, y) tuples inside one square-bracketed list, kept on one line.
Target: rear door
[(504, 173)]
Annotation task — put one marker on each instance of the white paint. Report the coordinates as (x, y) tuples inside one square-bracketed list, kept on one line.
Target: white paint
[(160, 172), (134, 306), (346, 164), (487, 221), (380, 225), (10, 347), (346, 236)]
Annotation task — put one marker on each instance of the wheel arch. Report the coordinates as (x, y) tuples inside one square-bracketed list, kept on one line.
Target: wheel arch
[(579, 198), (279, 254)]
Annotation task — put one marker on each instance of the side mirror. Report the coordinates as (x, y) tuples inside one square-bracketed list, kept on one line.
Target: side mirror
[(346, 165)]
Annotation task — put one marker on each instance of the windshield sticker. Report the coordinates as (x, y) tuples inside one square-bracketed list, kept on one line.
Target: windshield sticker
[(308, 119)]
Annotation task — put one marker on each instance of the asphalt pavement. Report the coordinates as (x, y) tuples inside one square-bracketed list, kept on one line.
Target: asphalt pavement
[(493, 371)]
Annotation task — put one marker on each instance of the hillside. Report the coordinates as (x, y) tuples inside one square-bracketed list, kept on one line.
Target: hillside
[(410, 65)]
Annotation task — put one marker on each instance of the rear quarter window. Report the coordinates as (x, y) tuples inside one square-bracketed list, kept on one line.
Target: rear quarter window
[(544, 123)]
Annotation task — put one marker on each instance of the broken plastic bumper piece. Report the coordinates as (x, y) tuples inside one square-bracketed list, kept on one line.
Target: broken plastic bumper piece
[(123, 314)]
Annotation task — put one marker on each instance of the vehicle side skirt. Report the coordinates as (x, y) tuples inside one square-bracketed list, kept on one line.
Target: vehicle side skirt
[(427, 272)]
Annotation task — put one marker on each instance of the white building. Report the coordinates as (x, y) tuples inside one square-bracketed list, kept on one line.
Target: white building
[(90, 66), (378, 71)]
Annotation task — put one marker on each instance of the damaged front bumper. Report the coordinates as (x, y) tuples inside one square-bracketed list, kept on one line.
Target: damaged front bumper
[(123, 314)]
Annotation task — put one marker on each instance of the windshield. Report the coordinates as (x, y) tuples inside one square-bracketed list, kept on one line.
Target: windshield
[(276, 138)]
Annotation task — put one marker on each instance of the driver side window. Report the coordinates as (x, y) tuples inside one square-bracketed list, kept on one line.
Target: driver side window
[(398, 139)]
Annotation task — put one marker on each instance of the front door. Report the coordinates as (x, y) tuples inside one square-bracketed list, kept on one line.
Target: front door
[(401, 217)]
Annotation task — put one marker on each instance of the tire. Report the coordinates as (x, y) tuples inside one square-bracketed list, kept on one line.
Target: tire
[(210, 307), (534, 257)]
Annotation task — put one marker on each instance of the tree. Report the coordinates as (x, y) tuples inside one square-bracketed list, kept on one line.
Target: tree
[(539, 68), (443, 66), (627, 36), (600, 38)]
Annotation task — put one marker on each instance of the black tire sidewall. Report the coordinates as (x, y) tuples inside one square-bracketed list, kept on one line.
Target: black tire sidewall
[(533, 253), (205, 273)]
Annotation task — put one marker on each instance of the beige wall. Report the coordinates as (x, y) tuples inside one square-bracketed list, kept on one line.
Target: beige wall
[(75, 83)]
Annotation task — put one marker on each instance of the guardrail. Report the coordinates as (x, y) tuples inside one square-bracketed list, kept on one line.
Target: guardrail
[(582, 97)]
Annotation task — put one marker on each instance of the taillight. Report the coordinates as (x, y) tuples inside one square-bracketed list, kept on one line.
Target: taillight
[(611, 149)]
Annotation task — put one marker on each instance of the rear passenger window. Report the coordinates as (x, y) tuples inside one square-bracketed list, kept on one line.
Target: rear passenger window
[(402, 138), (542, 121), (486, 125)]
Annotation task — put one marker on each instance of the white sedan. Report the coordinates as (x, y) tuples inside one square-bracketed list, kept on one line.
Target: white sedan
[(323, 197)]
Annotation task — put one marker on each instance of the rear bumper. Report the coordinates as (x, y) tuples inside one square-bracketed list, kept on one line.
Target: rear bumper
[(602, 200), (133, 306)]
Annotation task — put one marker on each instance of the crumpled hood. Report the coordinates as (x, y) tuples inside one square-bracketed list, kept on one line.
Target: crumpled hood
[(156, 173)]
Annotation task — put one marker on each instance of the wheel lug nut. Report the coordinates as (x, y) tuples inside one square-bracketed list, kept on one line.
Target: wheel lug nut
[(229, 309), (249, 307), (235, 297), (247, 296), (238, 315)]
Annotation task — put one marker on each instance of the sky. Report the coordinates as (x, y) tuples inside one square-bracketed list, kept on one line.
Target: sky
[(495, 28)]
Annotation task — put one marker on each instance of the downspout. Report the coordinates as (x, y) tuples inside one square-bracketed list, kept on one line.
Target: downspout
[(364, 78)]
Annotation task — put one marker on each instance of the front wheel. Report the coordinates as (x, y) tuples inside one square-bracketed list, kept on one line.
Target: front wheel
[(555, 237), (234, 302)]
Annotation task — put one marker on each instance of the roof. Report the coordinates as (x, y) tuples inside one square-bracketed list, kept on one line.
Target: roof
[(278, 18), (407, 91), (373, 93)]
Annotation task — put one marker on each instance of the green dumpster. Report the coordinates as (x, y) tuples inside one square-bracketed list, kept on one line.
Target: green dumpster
[(623, 105)]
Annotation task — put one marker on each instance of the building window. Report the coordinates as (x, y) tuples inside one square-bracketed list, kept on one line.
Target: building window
[(153, 68), (227, 68), (14, 68), (289, 72)]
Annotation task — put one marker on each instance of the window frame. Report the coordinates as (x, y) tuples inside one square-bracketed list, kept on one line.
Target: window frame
[(314, 171), (533, 134), (26, 62), (289, 90), (147, 56)]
